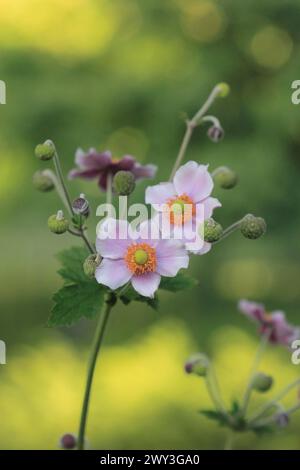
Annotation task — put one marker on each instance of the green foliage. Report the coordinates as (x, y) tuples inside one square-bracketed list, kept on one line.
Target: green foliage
[(180, 282), (215, 416), (171, 284), (80, 296)]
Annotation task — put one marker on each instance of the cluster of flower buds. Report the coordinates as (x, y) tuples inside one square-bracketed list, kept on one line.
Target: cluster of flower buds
[(212, 231), (253, 227)]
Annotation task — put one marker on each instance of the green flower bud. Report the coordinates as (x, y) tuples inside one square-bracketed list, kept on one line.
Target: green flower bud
[(124, 183), (253, 227), (90, 265), (212, 231), (224, 89), (42, 181), (45, 151), (262, 382), (57, 223), (197, 364), (225, 177)]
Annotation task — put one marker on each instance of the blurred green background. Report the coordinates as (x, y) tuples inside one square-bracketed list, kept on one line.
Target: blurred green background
[(121, 74)]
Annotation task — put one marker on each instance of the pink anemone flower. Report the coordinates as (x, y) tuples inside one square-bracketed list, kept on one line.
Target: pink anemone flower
[(93, 164), (274, 324), (133, 256), (187, 203)]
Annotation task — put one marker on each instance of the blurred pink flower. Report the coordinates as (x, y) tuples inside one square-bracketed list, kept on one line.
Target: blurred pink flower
[(93, 164), (274, 323), (192, 186), (132, 256)]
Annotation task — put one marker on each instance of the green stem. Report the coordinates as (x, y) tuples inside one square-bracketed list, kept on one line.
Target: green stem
[(60, 177), (109, 189), (229, 230), (229, 441), (190, 126), (274, 402), (99, 334), (257, 359)]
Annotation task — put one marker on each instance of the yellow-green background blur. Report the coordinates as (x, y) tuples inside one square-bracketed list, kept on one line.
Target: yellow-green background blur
[(120, 74)]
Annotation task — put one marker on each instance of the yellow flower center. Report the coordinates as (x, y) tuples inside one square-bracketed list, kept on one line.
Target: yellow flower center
[(181, 209), (140, 258)]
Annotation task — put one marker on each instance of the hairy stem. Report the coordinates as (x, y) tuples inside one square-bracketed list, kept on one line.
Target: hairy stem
[(190, 126), (99, 334)]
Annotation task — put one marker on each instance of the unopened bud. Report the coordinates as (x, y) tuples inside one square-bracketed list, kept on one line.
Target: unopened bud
[(124, 183), (57, 223), (262, 382), (212, 231), (282, 420), (253, 227), (224, 89), (225, 177), (197, 364), (68, 441), (81, 206), (42, 181), (215, 133), (45, 151), (90, 265)]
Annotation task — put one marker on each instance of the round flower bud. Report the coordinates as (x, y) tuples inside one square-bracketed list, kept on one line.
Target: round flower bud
[(68, 441), (81, 205), (253, 227), (262, 382), (225, 177), (212, 231), (57, 223), (42, 182), (90, 265), (45, 151), (124, 183), (224, 89), (215, 133), (282, 420), (197, 364)]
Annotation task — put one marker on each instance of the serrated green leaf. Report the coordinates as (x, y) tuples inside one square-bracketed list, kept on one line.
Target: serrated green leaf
[(180, 282), (72, 260), (75, 301)]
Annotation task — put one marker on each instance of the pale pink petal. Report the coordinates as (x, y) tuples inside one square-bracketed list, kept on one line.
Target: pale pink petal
[(112, 239), (171, 256), (205, 248), (159, 194), (146, 284), (209, 204), (113, 273), (144, 171), (252, 310), (194, 180)]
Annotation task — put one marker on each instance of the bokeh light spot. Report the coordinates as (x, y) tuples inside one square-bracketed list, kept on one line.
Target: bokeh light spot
[(271, 47)]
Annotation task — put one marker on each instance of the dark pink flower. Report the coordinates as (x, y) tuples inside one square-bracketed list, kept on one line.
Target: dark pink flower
[(93, 164), (274, 323)]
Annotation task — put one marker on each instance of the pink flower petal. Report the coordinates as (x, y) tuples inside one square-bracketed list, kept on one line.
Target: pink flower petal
[(209, 204), (144, 171), (194, 180), (160, 193), (146, 284), (171, 257), (113, 273), (110, 242), (205, 248), (252, 310)]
